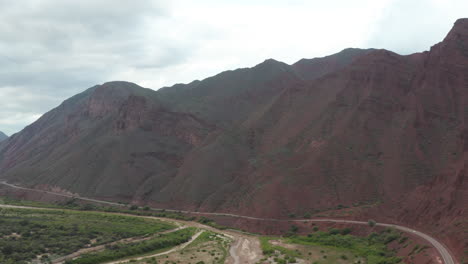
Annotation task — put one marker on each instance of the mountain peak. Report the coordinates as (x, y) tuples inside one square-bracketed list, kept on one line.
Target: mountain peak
[(120, 89), (462, 22), (119, 86), (459, 31), (271, 63)]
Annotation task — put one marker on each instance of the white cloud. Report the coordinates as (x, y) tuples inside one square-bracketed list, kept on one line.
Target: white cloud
[(53, 49), (413, 26), (225, 35)]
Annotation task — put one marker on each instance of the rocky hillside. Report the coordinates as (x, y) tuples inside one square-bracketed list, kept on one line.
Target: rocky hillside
[(368, 129)]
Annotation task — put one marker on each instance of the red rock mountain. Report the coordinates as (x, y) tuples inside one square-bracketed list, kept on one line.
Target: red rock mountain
[(360, 127)]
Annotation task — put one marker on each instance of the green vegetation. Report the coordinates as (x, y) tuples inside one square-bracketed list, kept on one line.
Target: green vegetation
[(372, 248), (27, 234), (10, 201), (206, 236), (76, 204), (214, 240), (269, 249), (210, 222), (154, 245)]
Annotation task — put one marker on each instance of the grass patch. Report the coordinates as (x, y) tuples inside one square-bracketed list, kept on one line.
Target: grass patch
[(119, 251), (27, 233), (373, 248), (269, 249), (222, 243), (212, 223), (76, 204)]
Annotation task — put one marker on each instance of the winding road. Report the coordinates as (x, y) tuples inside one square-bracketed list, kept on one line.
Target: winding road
[(443, 251), (180, 247)]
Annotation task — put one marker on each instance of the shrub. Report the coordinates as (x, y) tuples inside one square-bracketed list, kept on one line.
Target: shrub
[(293, 228), (138, 248), (345, 231)]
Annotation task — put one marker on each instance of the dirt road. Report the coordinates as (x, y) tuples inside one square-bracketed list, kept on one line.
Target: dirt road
[(179, 247), (83, 251), (244, 249), (443, 251)]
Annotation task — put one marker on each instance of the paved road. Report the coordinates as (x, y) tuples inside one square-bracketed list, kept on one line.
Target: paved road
[(444, 253)]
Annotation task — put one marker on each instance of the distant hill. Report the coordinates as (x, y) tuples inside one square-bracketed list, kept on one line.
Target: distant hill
[(381, 133), (3, 136)]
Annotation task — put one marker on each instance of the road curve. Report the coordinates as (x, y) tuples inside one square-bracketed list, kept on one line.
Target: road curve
[(444, 253), (83, 251), (182, 246)]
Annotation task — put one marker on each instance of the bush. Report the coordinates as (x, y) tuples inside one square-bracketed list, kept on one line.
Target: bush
[(138, 248), (345, 231), (64, 232), (293, 228), (373, 248), (371, 223)]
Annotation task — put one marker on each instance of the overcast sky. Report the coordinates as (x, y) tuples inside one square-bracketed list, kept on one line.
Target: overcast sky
[(53, 49)]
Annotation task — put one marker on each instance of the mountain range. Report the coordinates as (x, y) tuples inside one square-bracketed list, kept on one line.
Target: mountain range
[(370, 129)]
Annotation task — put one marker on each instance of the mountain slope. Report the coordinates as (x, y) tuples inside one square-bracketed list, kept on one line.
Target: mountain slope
[(3, 136), (94, 141), (230, 98), (361, 127)]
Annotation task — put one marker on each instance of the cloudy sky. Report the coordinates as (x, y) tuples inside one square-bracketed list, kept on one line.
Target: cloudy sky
[(53, 49)]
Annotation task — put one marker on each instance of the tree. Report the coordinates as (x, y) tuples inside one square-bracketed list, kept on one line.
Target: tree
[(371, 223)]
